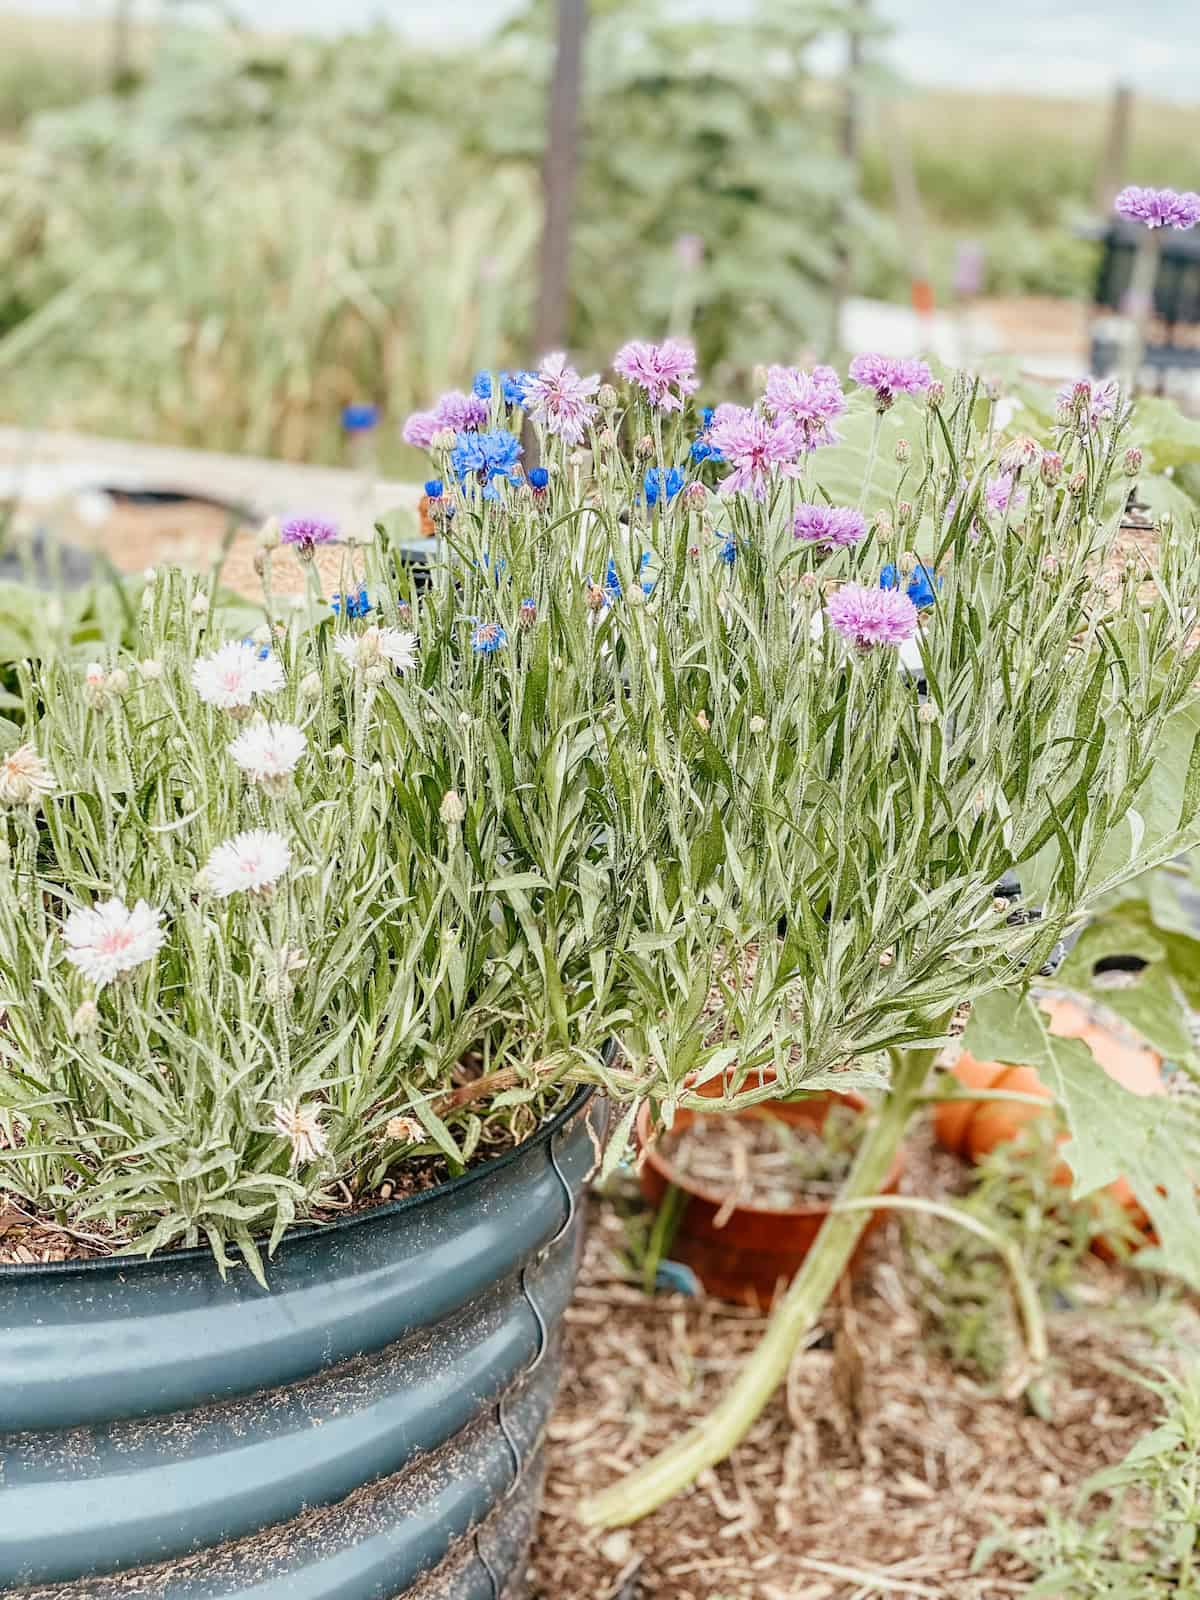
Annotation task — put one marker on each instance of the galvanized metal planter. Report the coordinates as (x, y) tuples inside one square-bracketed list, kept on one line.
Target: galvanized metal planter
[(370, 1427)]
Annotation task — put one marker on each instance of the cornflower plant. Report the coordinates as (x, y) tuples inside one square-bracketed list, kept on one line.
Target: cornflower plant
[(838, 720)]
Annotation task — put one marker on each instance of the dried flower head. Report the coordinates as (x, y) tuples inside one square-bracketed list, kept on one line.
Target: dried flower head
[(452, 810), (301, 1126), (405, 1130), (109, 939), (25, 779)]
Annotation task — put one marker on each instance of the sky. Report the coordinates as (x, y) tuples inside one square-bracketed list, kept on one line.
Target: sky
[(1069, 48)]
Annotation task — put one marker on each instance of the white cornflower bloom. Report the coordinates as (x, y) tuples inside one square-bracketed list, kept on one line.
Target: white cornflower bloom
[(396, 646), (24, 777), (151, 669), (110, 939), (230, 677), (301, 1125), (254, 860), (268, 753)]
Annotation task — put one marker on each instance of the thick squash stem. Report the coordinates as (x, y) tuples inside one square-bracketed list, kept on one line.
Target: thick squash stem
[(681, 1463)]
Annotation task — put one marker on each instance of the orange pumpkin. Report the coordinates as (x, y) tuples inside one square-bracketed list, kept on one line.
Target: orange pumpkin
[(971, 1128)]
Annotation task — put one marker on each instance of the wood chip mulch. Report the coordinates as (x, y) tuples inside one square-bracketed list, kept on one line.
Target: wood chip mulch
[(878, 1471)]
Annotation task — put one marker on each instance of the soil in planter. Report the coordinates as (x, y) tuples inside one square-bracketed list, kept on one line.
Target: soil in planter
[(28, 1238), (764, 1162)]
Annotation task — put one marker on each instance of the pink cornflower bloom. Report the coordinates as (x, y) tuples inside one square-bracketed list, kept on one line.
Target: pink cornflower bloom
[(829, 525), (889, 376), (1088, 403), (656, 367), (999, 495), (459, 412), (869, 617), (1159, 208), (809, 400), (558, 398), (756, 448)]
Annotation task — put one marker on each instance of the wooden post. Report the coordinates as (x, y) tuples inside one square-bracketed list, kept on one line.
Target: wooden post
[(558, 178), (1110, 174), (848, 144)]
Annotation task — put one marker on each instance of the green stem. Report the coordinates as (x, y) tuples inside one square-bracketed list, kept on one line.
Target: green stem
[(872, 457), (681, 1463), (1023, 1285)]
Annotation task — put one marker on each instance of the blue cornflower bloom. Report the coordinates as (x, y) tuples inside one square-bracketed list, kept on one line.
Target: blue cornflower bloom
[(513, 386), (612, 580), (481, 385), (485, 456), (655, 484), (707, 414), (922, 586), (727, 550), (359, 419), (701, 451), (538, 478), (488, 638), (433, 488), (355, 605)]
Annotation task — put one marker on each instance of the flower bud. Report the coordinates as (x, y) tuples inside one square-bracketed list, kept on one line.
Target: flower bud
[(607, 397), (881, 524), (693, 551), (150, 669), (644, 448), (1077, 482), (199, 605), (903, 451), (887, 959), (527, 613), (927, 713), (311, 686), (1021, 452), (758, 725), (1051, 468), (607, 439), (594, 599), (267, 537), (637, 596), (702, 721), (935, 394), (464, 719), (909, 561), (1133, 462), (377, 673), (444, 439), (1000, 905), (903, 512), (452, 810), (95, 686), (118, 681), (85, 1024), (695, 494), (337, 752), (1050, 565)]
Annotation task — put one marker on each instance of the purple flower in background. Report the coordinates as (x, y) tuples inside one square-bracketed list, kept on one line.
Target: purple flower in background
[(755, 447), (809, 400), (1088, 403), (831, 525), (455, 410), (307, 532), (655, 367), (1159, 208), (558, 398), (419, 429), (889, 376), (998, 496), (869, 617)]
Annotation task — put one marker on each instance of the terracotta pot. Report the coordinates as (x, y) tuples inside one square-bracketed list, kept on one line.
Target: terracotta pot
[(972, 1128), (759, 1249)]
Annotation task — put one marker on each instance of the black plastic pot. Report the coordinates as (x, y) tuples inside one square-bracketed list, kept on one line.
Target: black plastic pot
[(370, 1427)]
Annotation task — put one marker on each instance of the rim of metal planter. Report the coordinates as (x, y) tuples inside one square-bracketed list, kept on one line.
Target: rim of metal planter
[(306, 1230)]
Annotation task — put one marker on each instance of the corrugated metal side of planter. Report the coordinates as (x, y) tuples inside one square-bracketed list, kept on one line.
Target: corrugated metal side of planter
[(369, 1427)]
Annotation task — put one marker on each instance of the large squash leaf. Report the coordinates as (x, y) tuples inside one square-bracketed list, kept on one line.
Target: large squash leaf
[(1154, 1141)]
